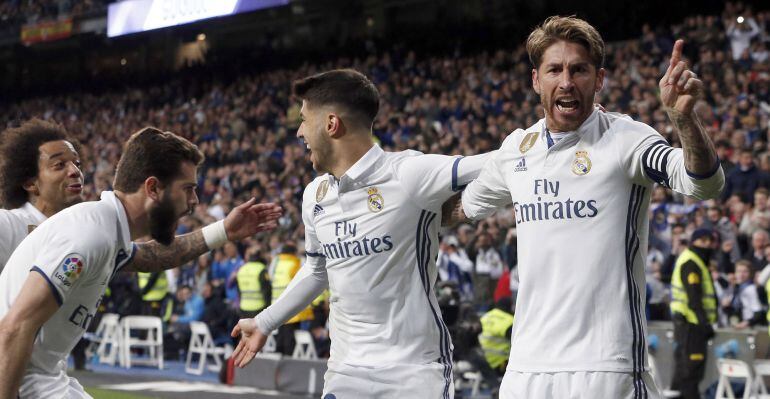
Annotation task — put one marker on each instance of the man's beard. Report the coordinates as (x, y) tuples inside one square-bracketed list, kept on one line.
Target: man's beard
[(163, 221)]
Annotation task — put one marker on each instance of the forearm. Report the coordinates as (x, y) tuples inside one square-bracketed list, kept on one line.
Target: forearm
[(700, 156), (298, 295), (154, 257), (16, 347)]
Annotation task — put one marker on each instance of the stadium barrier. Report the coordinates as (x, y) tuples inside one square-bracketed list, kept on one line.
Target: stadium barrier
[(746, 345)]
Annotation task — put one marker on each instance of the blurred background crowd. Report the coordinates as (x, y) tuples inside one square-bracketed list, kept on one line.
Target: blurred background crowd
[(461, 103)]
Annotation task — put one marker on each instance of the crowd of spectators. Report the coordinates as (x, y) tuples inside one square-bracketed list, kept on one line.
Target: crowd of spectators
[(14, 13), (459, 104)]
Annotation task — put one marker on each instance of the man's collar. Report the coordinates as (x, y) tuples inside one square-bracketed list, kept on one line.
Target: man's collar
[(363, 165)]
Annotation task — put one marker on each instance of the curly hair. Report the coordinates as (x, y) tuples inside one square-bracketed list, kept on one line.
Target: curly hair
[(19, 156)]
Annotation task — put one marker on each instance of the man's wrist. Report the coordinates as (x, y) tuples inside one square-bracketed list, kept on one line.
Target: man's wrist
[(215, 235)]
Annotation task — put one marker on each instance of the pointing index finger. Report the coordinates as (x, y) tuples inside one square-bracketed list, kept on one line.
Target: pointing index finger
[(676, 54)]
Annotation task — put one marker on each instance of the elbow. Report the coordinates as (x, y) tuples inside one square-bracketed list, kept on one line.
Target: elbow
[(10, 331), (710, 187)]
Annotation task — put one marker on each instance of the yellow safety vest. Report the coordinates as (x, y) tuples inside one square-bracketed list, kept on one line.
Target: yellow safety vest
[(324, 296), (248, 284), (680, 302), (497, 347), (158, 291), (286, 267)]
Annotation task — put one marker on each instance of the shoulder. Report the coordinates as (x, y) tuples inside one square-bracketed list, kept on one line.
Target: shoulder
[(622, 126), (523, 138), (312, 188), (399, 157), (10, 218), (89, 225)]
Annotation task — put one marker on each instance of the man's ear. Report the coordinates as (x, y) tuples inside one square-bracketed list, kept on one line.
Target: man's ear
[(535, 82), (152, 188), (31, 187), (335, 127)]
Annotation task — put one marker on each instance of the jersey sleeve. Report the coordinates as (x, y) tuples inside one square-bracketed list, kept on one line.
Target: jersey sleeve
[(647, 156), (8, 236), (67, 261), (307, 284), (489, 191), (431, 178)]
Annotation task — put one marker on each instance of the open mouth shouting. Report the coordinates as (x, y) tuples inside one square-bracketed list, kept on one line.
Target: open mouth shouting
[(567, 105)]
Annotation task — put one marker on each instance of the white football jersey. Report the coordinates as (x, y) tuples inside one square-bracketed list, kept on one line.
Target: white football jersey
[(15, 224), (77, 251), (373, 235), (581, 217)]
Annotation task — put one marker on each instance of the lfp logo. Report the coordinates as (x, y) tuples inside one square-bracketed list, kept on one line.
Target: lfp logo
[(72, 267)]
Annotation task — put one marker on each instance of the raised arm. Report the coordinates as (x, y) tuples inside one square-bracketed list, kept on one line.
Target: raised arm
[(243, 221), (680, 89)]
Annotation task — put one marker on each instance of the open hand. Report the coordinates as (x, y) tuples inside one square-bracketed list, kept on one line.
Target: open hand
[(252, 341), (250, 218)]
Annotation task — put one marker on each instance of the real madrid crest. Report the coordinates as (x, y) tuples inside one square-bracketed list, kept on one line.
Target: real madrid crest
[(582, 164), (529, 140), (320, 193), (375, 200)]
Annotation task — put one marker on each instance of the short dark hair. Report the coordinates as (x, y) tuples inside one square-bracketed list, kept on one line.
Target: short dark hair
[(152, 152), (19, 156), (346, 88)]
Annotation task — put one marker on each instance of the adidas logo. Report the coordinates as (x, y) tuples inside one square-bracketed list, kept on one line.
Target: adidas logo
[(318, 210), (521, 166)]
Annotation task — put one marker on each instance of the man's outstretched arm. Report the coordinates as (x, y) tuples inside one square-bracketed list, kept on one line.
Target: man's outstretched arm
[(245, 220)]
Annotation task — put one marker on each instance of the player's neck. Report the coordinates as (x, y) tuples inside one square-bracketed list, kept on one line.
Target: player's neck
[(348, 154), (138, 220), (45, 207)]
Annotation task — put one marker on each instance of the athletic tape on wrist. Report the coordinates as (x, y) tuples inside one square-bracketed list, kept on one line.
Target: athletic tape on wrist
[(215, 234)]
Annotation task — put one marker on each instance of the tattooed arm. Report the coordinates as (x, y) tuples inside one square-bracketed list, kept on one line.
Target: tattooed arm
[(243, 221), (680, 89), (154, 257), (700, 156)]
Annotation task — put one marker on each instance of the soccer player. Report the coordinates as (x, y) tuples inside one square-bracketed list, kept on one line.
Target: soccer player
[(371, 234), (53, 282), (39, 176), (579, 181)]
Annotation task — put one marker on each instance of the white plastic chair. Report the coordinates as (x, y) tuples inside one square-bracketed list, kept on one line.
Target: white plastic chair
[(106, 339), (270, 344), (153, 341), (202, 343), (304, 347), (761, 370), (733, 368)]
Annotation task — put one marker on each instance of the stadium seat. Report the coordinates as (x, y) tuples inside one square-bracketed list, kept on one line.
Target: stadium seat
[(270, 345), (202, 343), (304, 347), (106, 338), (761, 370), (153, 341), (733, 368)]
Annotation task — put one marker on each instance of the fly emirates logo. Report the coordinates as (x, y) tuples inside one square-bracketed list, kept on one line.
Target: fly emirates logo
[(348, 244), (550, 207)]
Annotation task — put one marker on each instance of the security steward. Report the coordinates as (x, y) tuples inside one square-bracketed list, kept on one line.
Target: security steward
[(156, 301), (495, 338), (253, 286), (282, 270), (694, 312)]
